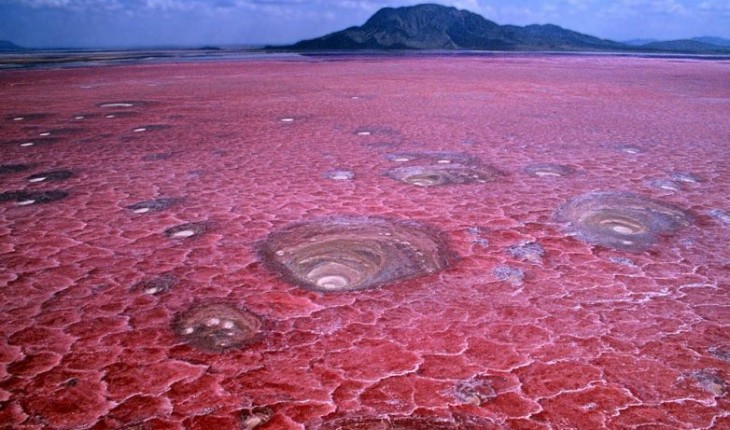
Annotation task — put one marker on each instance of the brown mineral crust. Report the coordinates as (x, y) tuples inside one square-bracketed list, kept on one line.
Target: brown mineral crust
[(217, 327), (461, 422), (446, 174), (622, 221), (254, 418), (354, 253)]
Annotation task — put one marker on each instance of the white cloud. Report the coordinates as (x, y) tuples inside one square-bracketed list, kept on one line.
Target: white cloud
[(715, 6), (669, 7)]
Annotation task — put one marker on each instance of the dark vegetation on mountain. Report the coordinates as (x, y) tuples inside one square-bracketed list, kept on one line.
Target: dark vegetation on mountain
[(436, 27)]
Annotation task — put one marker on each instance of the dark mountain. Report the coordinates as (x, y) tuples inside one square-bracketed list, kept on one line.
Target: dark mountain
[(431, 26), (718, 41), (6, 46), (685, 45), (638, 42)]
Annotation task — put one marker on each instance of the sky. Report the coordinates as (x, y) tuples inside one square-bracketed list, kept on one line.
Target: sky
[(154, 23)]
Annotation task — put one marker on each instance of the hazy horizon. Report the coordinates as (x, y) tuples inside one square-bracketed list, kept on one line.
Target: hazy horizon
[(175, 23)]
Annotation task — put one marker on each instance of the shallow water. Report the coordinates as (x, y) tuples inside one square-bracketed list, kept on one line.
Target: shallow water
[(178, 174)]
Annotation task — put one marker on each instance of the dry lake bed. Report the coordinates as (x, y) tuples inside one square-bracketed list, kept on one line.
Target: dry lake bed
[(362, 243)]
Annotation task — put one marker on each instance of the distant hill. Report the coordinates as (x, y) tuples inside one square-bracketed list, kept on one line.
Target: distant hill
[(686, 45), (718, 41), (6, 46), (436, 27), (638, 42), (431, 26)]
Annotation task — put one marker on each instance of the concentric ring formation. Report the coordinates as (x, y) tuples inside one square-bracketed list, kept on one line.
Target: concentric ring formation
[(354, 253), (447, 174), (621, 220)]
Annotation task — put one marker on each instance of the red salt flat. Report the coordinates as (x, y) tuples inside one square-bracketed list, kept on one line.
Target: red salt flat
[(181, 171)]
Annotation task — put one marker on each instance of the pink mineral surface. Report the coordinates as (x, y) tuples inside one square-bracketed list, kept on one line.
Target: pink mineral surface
[(503, 314)]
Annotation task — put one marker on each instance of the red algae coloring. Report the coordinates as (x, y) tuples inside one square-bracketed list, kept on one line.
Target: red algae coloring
[(324, 294)]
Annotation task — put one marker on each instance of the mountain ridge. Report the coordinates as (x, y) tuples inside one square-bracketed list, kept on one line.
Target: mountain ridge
[(432, 26), (436, 27)]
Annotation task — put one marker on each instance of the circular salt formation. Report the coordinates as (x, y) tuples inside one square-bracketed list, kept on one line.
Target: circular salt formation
[(28, 117), (157, 285), (620, 220), (217, 327), (630, 149), (24, 198), (663, 184), (54, 175), (187, 230), (549, 170), (687, 178), (122, 104), (353, 253), (152, 205), (150, 127), (430, 176), (340, 175), (434, 157), (720, 215), (159, 156)]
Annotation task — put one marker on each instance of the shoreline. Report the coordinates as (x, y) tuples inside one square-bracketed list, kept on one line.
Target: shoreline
[(43, 59)]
